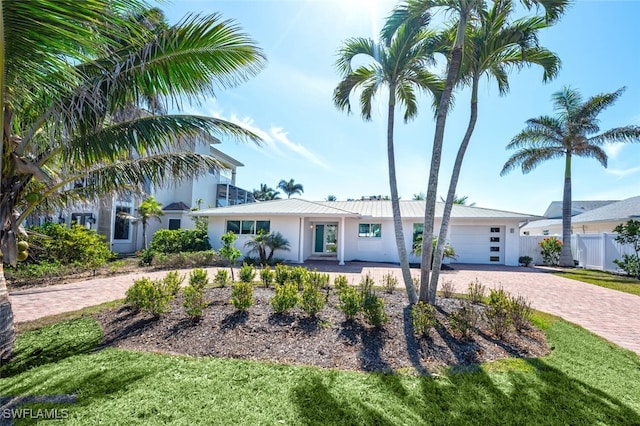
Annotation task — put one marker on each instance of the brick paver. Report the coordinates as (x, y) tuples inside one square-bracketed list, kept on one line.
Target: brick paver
[(611, 314)]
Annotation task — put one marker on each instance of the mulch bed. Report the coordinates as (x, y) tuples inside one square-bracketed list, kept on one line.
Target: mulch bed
[(327, 341)]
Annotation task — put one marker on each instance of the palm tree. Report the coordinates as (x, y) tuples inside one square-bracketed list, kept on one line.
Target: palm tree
[(572, 131), (459, 200), (464, 11), (265, 193), (149, 209), (419, 196), (493, 47), (66, 69), (399, 66), (331, 197), (290, 187), (266, 240)]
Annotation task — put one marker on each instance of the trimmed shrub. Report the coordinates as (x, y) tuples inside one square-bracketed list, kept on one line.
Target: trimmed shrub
[(423, 318), (285, 297), (520, 312), (464, 320), (525, 260), (149, 295), (319, 280), (267, 276), (340, 283), (282, 274), (476, 291), (222, 278), (389, 283), (194, 301), (498, 312), (195, 259), (181, 240), (199, 278), (373, 310), (146, 257), (242, 295), (299, 275), (350, 301), (247, 273), (172, 282), (447, 288), (312, 300)]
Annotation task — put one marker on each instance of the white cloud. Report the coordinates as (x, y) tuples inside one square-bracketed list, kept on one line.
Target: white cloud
[(282, 138), (613, 149), (621, 173)]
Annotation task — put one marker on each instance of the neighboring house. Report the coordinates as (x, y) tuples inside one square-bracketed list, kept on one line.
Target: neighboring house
[(605, 219), (552, 222), (215, 189), (363, 230)]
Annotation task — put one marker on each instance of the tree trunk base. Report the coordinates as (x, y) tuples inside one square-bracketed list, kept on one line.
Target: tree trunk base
[(7, 331)]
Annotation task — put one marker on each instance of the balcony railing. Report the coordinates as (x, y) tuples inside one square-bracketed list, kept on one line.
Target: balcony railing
[(229, 195)]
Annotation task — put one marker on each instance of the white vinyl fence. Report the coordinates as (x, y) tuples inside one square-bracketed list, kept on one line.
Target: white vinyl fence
[(592, 251)]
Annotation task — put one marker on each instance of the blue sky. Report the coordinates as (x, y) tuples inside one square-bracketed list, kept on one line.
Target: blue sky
[(290, 104)]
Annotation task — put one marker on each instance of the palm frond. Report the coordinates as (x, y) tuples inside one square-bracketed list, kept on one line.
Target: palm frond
[(618, 134), (592, 151), (529, 158)]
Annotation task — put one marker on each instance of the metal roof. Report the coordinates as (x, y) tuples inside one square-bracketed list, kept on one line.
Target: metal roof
[(619, 211), (409, 209), (554, 211)]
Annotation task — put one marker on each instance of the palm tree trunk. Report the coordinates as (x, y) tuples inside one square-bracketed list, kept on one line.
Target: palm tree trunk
[(144, 234), (566, 258), (436, 155), (395, 203), (448, 206), (7, 329)]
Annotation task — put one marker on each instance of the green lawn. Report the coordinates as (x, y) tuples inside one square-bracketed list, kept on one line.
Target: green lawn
[(603, 279), (585, 380)]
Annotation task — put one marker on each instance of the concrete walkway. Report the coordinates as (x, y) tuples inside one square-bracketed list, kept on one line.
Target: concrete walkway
[(611, 314)]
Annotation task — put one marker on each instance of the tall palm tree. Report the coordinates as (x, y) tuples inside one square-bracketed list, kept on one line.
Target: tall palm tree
[(149, 209), (65, 69), (494, 46), (463, 12), (572, 131), (265, 193), (398, 66), (290, 187)]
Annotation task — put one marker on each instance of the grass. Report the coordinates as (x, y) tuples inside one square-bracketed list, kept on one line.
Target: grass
[(603, 279), (585, 380)]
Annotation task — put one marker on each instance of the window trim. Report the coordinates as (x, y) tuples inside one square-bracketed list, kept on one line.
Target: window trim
[(128, 209), (256, 225)]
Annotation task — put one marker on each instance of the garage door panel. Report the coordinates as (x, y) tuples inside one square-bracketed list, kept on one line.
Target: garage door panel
[(473, 244)]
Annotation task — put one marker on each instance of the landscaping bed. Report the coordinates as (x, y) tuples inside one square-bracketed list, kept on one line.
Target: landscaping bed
[(328, 341)]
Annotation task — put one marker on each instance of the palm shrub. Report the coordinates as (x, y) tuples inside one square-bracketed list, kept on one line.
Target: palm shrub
[(282, 274), (312, 300), (423, 318), (172, 281), (267, 276), (222, 278), (247, 273), (242, 295), (497, 312), (285, 297), (149, 295)]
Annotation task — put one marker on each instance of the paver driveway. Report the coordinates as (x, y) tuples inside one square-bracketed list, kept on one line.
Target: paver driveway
[(611, 314)]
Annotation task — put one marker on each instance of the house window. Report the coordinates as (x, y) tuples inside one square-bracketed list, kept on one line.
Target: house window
[(417, 231), (494, 258), (121, 225), (370, 230), (496, 229), (174, 224), (248, 227), (495, 239), (545, 232), (494, 249)]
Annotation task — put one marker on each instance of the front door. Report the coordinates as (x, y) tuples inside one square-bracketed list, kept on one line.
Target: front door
[(325, 238)]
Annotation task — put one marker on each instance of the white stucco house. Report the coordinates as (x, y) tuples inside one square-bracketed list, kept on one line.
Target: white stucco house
[(363, 229)]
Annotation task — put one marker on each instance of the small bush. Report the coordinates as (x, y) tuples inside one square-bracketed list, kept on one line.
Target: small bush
[(476, 291), (267, 276), (498, 313), (282, 274), (247, 273), (366, 284), (194, 301), (172, 281), (525, 260), (350, 301), (447, 288), (222, 278), (520, 312), (299, 275), (423, 318), (242, 295), (464, 320), (146, 257), (285, 297), (319, 280), (340, 283), (550, 249), (149, 295), (389, 283), (629, 264), (199, 278), (373, 310), (181, 240), (196, 259), (312, 300)]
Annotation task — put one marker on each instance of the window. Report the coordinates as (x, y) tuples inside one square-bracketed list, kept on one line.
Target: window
[(121, 225), (494, 259), (495, 249), (495, 239), (417, 231), (174, 224), (496, 229), (248, 227), (370, 230), (545, 232)]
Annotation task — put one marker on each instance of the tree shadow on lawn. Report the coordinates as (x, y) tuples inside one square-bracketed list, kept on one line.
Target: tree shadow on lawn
[(541, 395)]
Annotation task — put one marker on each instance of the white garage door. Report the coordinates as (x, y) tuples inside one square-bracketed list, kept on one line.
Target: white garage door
[(478, 244)]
